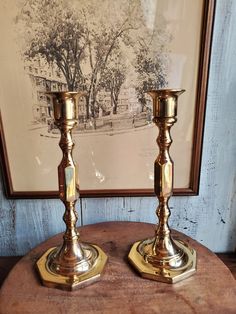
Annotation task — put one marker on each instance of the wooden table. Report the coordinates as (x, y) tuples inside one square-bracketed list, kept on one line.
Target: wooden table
[(121, 290)]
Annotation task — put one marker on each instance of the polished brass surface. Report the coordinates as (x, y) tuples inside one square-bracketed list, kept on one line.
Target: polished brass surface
[(162, 258), (80, 279), (74, 264)]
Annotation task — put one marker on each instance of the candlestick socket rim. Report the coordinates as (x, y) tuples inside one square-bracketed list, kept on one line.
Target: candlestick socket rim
[(166, 92), (165, 102)]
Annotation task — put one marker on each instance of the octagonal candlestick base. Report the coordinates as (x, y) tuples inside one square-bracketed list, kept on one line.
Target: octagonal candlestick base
[(74, 264), (162, 258)]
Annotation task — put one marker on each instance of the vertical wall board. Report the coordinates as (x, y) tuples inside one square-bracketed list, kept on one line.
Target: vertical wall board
[(118, 209), (8, 243), (36, 221), (219, 150)]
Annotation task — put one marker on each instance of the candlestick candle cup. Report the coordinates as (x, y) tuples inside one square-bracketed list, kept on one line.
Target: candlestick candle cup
[(74, 264), (163, 258)]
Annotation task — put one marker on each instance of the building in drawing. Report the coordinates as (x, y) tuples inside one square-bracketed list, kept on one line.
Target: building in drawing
[(127, 101), (45, 79)]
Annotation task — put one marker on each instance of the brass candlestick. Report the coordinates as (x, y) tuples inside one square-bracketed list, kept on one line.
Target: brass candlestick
[(162, 258), (74, 264)]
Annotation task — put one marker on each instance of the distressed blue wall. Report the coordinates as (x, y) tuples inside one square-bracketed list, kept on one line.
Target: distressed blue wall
[(210, 217)]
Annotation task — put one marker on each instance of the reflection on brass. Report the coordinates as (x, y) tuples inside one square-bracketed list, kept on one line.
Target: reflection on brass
[(74, 264), (161, 258)]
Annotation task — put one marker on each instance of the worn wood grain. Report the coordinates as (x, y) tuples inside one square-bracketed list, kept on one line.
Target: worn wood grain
[(121, 290), (229, 259), (210, 217), (8, 262)]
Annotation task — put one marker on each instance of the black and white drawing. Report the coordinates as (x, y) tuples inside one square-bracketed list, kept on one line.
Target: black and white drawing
[(114, 51), (105, 48)]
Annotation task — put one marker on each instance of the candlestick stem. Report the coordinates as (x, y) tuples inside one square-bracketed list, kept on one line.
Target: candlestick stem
[(74, 264)]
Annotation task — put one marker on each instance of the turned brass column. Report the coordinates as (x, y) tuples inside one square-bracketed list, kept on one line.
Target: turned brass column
[(162, 258), (74, 264)]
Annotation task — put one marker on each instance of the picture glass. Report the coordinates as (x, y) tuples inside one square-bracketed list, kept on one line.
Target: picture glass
[(115, 51)]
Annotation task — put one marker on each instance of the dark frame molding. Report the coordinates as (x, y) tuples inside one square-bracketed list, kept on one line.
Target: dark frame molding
[(200, 108)]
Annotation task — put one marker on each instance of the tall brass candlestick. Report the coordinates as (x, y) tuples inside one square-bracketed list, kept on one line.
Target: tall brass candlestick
[(74, 264), (161, 258)]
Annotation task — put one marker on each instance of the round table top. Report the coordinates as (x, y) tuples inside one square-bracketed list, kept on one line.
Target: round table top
[(121, 290)]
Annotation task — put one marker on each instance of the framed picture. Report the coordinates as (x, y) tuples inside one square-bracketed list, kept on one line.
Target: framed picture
[(115, 51)]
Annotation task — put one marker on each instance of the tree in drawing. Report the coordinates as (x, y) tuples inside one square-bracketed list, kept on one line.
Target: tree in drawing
[(113, 77), (55, 34), (89, 47), (151, 67), (104, 39)]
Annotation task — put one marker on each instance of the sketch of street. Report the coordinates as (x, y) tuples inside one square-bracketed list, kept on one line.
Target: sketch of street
[(105, 48)]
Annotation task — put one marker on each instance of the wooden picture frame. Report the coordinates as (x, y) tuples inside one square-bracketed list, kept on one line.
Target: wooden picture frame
[(9, 145)]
